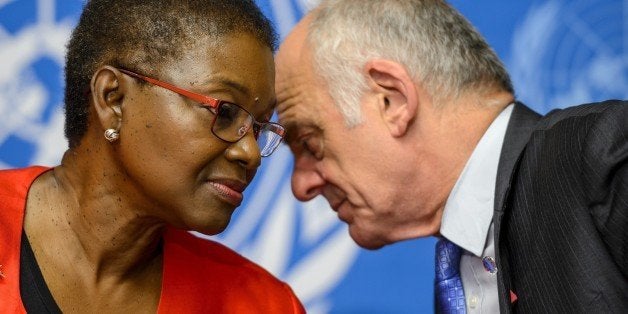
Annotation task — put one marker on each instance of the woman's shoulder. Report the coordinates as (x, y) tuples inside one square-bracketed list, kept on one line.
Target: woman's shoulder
[(18, 175), (15, 183)]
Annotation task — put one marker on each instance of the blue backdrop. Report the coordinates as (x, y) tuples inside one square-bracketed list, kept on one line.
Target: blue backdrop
[(559, 53)]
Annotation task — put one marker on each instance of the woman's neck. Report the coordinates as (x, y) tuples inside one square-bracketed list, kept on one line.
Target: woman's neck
[(93, 223)]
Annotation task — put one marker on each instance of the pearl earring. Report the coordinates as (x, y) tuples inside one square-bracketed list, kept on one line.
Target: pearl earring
[(112, 135)]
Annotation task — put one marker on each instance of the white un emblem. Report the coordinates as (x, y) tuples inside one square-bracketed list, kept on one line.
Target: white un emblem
[(32, 41), (571, 52)]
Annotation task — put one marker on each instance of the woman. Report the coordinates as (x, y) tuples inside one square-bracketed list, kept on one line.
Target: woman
[(167, 109)]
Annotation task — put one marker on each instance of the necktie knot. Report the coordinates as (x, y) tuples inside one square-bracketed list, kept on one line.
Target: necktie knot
[(448, 284)]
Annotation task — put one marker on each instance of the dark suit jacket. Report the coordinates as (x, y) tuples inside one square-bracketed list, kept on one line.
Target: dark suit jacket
[(561, 211)]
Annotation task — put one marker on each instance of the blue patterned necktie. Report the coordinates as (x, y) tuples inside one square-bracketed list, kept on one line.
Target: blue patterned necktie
[(448, 290)]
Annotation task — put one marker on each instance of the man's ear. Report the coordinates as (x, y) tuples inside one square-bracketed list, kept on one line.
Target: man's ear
[(107, 96), (396, 94)]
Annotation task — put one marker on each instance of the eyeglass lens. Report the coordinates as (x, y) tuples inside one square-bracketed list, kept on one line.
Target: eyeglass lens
[(232, 122), (268, 139)]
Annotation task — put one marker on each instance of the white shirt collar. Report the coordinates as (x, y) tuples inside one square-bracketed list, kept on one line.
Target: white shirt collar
[(469, 209)]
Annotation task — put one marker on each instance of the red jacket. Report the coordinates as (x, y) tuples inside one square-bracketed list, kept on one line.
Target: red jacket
[(199, 276)]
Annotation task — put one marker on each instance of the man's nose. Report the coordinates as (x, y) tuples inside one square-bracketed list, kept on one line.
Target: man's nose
[(307, 182)]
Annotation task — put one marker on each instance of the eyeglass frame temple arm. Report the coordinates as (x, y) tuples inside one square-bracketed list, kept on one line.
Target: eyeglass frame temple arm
[(212, 102)]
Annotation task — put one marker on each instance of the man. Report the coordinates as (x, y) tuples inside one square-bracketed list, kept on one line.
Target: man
[(400, 114)]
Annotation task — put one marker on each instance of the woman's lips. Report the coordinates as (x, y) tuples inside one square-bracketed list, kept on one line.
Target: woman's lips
[(230, 191)]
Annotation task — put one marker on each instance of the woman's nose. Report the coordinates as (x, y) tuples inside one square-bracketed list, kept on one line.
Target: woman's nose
[(245, 151)]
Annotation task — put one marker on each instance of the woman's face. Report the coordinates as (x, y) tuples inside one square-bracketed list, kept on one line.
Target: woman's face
[(178, 170)]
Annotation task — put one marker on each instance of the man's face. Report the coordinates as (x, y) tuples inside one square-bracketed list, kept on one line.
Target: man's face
[(362, 171)]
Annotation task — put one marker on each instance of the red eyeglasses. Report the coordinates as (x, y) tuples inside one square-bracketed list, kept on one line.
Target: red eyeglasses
[(231, 122)]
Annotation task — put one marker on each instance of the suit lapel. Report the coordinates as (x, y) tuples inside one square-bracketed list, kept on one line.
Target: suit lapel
[(520, 127)]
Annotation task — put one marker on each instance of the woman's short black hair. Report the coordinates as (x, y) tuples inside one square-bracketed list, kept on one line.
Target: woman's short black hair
[(144, 34)]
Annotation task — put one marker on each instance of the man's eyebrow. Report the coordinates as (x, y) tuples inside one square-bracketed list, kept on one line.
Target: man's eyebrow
[(293, 129)]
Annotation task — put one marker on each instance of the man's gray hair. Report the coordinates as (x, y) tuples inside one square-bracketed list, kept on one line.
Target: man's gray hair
[(437, 45)]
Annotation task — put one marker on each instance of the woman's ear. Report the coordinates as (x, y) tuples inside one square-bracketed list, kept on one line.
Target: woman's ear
[(396, 94), (107, 97)]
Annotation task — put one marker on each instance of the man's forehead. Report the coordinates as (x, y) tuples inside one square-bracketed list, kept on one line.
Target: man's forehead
[(296, 84), (300, 103), (297, 87), (294, 43)]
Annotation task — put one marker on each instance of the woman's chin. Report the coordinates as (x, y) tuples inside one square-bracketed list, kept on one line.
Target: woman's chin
[(214, 228)]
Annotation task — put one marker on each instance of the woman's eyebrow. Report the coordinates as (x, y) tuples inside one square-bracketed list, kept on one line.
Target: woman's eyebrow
[(228, 83)]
